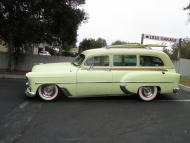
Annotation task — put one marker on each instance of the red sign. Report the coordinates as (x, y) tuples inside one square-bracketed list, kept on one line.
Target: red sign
[(161, 38)]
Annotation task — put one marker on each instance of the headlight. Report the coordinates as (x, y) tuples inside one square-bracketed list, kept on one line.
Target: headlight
[(26, 76)]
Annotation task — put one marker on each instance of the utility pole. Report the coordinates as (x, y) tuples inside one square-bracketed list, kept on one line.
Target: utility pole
[(179, 49), (142, 38)]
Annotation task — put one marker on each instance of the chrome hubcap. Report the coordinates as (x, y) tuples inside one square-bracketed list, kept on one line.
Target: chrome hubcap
[(147, 91), (48, 90)]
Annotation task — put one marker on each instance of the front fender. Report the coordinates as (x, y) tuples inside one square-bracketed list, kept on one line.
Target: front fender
[(64, 79)]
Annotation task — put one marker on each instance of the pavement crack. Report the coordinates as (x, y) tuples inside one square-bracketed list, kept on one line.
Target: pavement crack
[(134, 130), (164, 130)]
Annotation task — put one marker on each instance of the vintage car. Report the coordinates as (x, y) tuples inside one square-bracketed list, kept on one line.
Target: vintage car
[(108, 71)]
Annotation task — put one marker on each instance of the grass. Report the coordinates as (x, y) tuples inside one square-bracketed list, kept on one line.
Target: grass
[(185, 80)]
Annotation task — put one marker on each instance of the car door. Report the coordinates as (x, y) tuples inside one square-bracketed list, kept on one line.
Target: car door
[(95, 77)]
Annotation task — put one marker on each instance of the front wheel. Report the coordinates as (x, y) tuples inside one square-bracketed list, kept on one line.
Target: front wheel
[(48, 92), (148, 93)]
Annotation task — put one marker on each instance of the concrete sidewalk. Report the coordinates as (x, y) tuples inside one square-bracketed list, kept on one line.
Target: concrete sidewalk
[(12, 76), (182, 87)]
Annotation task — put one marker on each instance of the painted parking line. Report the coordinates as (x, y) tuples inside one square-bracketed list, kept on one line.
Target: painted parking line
[(182, 100)]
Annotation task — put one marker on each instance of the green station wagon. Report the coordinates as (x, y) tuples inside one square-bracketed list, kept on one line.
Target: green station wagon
[(108, 71)]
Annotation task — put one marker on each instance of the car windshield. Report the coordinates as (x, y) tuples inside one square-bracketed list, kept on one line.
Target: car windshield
[(78, 60)]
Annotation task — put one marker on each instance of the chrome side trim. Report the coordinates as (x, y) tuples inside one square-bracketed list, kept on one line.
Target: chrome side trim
[(131, 68), (95, 82), (72, 82), (125, 90), (66, 92), (55, 83), (138, 82)]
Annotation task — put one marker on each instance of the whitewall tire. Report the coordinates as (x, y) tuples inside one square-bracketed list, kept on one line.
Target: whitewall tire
[(148, 93), (48, 92)]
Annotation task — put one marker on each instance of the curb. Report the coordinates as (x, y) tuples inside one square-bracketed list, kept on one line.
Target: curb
[(184, 88)]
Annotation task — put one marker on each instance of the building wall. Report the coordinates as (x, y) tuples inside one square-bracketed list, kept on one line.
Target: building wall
[(2, 48), (35, 50)]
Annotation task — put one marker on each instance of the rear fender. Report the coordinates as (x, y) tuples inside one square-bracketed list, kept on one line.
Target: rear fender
[(134, 80)]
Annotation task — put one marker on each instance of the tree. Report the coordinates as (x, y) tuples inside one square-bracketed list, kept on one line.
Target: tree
[(187, 8), (91, 44), (184, 51), (36, 21), (86, 44), (119, 42), (100, 43)]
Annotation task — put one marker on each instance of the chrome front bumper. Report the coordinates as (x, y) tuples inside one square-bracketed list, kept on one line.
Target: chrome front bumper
[(29, 94), (176, 90)]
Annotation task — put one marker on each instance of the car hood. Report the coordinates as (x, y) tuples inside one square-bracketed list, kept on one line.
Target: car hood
[(53, 67)]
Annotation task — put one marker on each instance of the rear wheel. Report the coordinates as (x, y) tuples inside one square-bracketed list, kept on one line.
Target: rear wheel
[(148, 93), (48, 92)]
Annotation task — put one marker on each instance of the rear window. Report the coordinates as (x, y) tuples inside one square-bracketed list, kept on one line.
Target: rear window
[(125, 60), (150, 61)]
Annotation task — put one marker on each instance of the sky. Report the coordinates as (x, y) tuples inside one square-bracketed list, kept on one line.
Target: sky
[(126, 20)]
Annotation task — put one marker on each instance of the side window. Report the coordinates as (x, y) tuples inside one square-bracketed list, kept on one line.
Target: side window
[(150, 61), (125, 60), (98, 61)]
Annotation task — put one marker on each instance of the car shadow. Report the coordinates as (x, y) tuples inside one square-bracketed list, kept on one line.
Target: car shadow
[(131, 98)]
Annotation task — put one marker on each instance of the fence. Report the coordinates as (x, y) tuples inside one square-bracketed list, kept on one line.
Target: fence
[(31, 60), (182, 66)]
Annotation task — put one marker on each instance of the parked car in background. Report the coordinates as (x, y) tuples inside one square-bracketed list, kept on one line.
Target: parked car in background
[(112, 70), (44, 53)]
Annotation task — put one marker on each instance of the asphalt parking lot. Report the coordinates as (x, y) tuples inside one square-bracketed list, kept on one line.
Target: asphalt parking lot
[(92, 120)]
